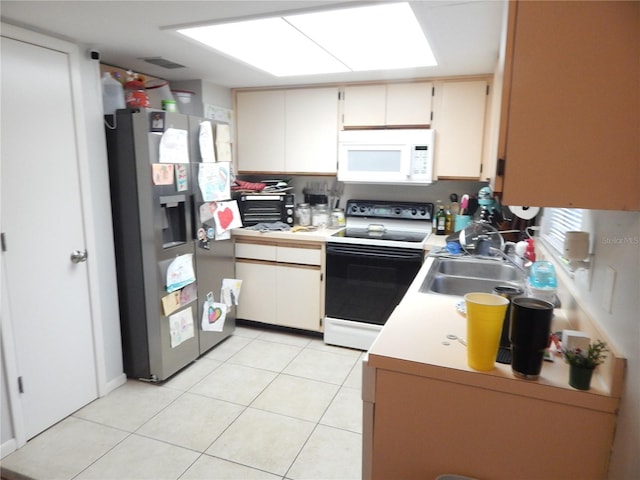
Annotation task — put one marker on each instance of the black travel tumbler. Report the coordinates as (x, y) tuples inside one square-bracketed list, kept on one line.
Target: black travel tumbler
[(530, 327)]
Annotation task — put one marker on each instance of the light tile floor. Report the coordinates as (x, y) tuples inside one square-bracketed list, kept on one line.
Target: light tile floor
[(263, 404)]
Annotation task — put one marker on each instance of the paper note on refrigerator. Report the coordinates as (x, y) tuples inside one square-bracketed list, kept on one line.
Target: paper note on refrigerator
[(223, 143), (181, 327), (180, 272), (213, 315), (205, 139), (230, 292), (227, 216), (214, 180), (162, 173), (182, 177), (174, 146), (170, 303)]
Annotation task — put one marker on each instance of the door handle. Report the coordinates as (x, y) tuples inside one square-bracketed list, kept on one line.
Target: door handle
[(78, 256)]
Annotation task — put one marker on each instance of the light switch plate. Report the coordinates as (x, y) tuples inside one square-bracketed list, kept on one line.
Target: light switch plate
[(608, 288)]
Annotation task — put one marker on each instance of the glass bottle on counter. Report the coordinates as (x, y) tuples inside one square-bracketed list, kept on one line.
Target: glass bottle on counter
[(441, 220), (448, 224)]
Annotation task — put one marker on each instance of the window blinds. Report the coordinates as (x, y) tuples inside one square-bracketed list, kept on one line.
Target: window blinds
[(557, 222)]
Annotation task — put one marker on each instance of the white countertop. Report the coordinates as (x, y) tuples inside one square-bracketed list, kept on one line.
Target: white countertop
[(413, 342), (319, 235)]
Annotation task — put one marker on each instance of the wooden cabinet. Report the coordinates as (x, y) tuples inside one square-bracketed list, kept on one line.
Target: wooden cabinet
[(287, 131), (418, 427), (394, 104), (459, 124), (282, 282), (569, 131)]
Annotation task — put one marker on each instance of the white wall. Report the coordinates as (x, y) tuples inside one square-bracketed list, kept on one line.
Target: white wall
[(100, 204), (616, 244)]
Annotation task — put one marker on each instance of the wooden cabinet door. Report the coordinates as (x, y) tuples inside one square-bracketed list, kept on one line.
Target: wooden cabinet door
[(459, 120), (260, 136), (364, 105), (298, 294), (409, 104), (259, 289), (572, 97), (311, 130)]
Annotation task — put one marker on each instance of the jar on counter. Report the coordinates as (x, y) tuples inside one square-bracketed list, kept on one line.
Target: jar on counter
[(320, 215), (303, 214), (337, 218), (135, 94)]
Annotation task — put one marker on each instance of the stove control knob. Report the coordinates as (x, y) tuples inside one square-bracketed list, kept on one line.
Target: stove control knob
[(354, 208), (414, 211), (398, 211), (423, 212), (362, 209)]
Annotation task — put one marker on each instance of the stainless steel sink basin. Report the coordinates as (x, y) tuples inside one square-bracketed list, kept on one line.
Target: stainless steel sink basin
[(479, 269), (460, 276)]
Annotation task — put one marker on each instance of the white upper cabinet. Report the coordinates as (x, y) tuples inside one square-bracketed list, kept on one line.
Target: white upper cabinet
[(459, 124), (288, 131), (311, 130), (260, 122), (394, 104)]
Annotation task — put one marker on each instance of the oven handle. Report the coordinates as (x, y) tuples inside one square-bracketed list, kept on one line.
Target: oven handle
[(364, 251)]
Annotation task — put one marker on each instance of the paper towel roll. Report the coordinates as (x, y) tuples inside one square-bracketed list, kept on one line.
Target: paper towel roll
[(526, 213)]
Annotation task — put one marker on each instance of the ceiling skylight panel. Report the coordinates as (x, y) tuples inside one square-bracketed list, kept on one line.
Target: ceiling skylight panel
[(269, 44), (376, 37)]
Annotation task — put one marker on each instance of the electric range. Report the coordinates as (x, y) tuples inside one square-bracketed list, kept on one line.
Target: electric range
[(370, 265)]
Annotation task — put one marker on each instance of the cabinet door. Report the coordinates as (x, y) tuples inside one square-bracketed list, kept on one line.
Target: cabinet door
[(257, 300), (364, 105), (299, 290), (260, 136), (409, 104), (459, 118), (573, 103), (311, 130)]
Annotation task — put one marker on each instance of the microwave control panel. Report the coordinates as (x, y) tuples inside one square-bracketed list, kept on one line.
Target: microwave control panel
[(420, 160)]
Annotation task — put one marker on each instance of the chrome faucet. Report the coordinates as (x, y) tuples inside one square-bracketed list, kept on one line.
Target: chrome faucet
[(523, 268)]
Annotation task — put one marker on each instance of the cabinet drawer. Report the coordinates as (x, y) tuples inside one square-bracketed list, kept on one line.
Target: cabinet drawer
[(256, 251), (304, 256)]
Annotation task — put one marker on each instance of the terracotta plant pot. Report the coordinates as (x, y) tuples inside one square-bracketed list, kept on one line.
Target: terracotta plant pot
[(580, 377)]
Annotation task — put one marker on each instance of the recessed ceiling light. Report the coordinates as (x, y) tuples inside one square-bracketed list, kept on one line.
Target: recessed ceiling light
[(379, 37)]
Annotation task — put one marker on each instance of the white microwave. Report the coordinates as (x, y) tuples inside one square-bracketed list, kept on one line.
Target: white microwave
[(386, 156)]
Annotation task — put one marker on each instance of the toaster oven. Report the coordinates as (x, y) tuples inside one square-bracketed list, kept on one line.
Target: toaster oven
[(266, 208)]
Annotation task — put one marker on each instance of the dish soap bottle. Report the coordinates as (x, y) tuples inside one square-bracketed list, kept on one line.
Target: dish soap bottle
[(441, 220)]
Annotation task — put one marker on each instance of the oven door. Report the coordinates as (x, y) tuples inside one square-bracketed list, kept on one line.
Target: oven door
[(365, 283)]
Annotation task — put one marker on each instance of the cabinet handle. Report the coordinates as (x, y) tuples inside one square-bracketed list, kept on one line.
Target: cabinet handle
[(500, 167)]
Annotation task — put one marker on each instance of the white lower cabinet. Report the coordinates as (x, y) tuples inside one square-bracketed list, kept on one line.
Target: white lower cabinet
[(282, 284)]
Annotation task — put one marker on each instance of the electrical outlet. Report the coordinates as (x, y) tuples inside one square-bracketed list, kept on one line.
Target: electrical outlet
[(608, 288)]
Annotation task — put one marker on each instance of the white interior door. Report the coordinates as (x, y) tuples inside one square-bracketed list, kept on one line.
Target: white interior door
[(48, 295)]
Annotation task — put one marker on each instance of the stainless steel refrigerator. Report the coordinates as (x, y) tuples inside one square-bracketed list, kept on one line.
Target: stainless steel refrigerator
[(215, 259), (153, 207)]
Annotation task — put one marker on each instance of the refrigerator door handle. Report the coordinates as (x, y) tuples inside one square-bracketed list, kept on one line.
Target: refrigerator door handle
[(78, 256)]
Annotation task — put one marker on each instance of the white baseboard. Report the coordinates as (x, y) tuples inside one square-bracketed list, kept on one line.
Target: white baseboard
[(8, 447), (115, 383)]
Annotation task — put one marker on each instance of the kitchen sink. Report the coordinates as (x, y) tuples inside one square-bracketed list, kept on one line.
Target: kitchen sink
[(489, 269), (453, 276)]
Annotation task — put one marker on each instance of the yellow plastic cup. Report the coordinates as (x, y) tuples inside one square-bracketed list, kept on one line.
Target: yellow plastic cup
[(485, 315)]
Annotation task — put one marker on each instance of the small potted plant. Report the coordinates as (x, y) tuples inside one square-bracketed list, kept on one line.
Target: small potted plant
[(582, 363)]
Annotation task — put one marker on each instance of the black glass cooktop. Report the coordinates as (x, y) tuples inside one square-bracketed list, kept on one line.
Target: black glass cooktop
[(395, 235)]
